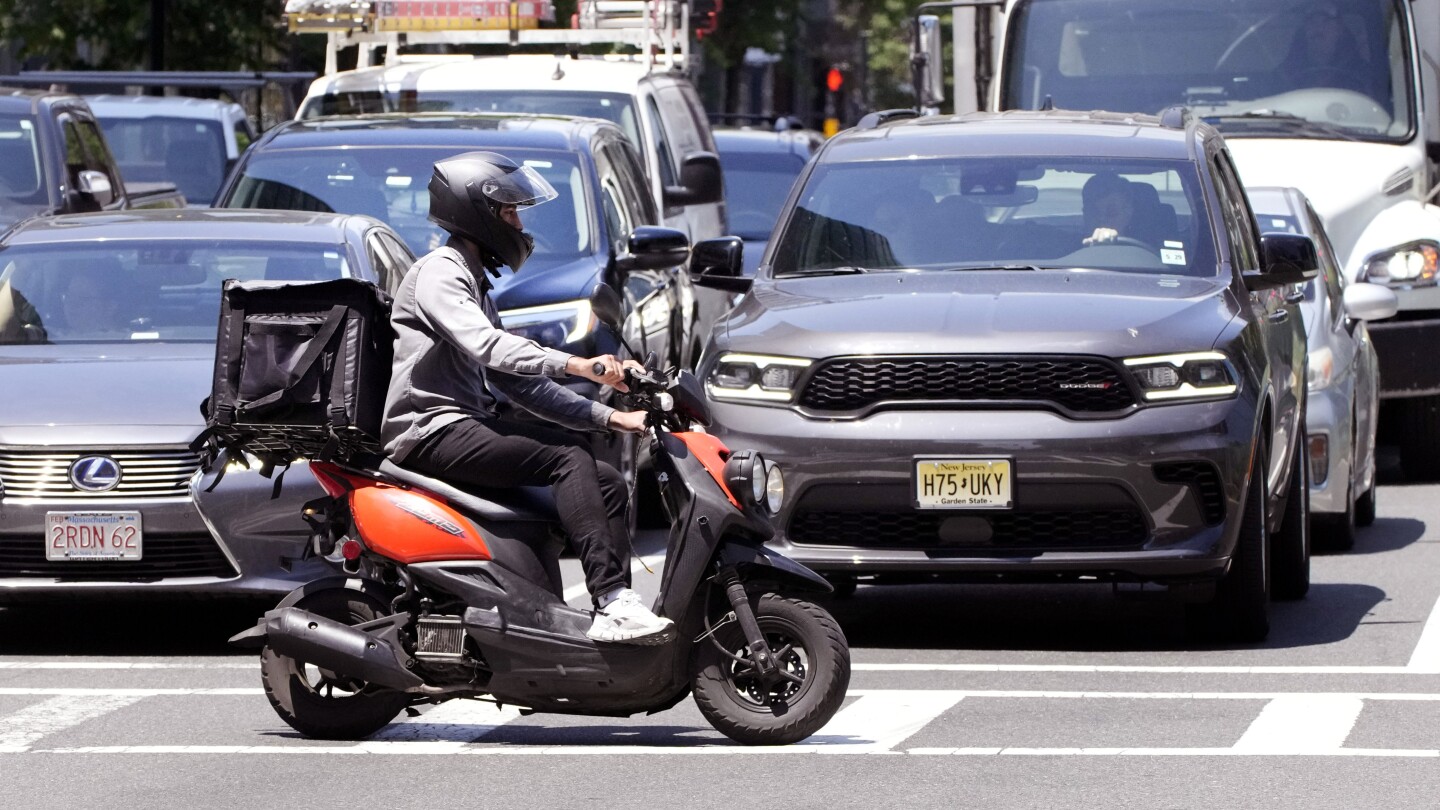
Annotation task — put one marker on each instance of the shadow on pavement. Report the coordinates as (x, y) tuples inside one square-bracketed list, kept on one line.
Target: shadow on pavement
[(123, 627), (1387, 534), (1074, 618)]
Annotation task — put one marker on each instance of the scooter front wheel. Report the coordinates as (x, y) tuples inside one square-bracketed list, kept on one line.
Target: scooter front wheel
[(813, 672), (322, 704)]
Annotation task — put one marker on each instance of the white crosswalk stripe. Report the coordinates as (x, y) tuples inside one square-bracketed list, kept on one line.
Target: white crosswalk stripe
[(22, 729)]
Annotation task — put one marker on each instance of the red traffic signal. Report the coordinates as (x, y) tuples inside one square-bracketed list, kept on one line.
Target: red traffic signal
[(834, 79)]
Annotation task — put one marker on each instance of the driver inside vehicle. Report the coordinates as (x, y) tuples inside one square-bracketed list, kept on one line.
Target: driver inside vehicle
[(1109, 209)]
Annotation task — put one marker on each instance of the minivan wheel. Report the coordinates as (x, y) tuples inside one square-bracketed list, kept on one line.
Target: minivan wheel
[(1240, 610), (1291, 545)]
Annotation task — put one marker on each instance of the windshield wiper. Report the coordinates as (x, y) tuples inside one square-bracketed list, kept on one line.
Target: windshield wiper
[(997, 267), (846, 270), (1297, 121)]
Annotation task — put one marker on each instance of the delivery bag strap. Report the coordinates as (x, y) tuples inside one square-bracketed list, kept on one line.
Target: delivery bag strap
[(308, 358)]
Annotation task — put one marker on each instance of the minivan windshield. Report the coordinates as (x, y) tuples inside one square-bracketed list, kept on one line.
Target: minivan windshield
[(22, 176), (391, 184), (1140, 216), (1305, 68), (144, 290)]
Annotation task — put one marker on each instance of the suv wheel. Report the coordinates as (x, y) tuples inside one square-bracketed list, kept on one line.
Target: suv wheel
[(1240, 610), (1291, 544)]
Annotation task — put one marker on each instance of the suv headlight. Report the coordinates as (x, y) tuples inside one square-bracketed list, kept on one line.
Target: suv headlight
[(756, 377), (1184, 377), (1413, 265), (552, 325)]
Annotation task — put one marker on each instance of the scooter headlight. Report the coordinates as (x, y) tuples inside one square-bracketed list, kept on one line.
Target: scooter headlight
[(745, 475), (774, 489)]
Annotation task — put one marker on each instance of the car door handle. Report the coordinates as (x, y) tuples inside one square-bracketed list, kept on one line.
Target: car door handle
[(1280, 316), (1295, 297)]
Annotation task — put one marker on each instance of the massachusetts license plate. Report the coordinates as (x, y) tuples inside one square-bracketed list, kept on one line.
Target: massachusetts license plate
[(962, 483), (93, 536)]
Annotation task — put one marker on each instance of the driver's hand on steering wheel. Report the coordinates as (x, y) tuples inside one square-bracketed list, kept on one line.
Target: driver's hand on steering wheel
[(1101, 236), (612, 370), (628, 421)]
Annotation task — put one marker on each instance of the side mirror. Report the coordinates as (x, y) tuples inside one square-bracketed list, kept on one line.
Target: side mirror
[(1285, 258), (654, 248), (927, 60), (96, 185), (720, 264), (1370, 302), (605, 304), (699, 181)]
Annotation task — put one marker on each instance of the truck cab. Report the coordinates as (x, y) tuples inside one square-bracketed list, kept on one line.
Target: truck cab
[(1336, 99)]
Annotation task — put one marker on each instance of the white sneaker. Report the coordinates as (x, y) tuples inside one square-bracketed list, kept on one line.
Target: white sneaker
[(626, 620)]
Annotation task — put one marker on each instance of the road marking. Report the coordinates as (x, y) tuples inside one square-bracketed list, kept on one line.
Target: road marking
[(1302, 724), (1162, 752), (881, 719), (21, 729), (123, 665), (1148, 670), (1426, 657), (444, 729)]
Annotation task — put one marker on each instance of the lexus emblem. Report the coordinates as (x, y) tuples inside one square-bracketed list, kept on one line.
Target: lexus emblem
[(95, 474)]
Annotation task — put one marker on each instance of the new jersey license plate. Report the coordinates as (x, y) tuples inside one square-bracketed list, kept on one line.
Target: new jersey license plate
[(93, 536), (963, 483)]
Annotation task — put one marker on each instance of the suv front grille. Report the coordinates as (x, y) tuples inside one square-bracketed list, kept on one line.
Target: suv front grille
[(183, 555), (1073, 384), (150, 473), (1030, 530)]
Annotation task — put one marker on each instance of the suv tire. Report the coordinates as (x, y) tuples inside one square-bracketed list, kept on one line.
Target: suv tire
[(1240, 610), (1290, 546)]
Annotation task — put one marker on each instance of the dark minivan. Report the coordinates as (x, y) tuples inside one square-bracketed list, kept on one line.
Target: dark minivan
[(1040, 346)]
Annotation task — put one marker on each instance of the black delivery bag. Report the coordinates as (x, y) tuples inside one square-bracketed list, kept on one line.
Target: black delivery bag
[(300, 370)]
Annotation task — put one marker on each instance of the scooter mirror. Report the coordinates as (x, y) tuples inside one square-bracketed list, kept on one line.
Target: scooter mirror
[(605, 303)]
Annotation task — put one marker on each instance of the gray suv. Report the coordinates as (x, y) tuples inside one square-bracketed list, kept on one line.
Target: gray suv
[(1043, 346)]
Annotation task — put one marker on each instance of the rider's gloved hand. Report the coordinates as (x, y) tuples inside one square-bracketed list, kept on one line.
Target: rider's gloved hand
[(628, 421), (611, 371)]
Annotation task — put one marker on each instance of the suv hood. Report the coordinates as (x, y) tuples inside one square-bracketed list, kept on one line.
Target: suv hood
[(982, 312), (104, 393)]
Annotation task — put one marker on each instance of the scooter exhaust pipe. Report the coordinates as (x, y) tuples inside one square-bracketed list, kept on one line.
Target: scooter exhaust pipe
[(340, 648)]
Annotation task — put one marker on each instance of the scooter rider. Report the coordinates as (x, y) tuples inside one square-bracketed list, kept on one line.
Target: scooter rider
[(450, 349)]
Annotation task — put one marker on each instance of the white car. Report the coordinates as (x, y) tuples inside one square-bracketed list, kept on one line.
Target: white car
[(1343, 375), (191, 142)]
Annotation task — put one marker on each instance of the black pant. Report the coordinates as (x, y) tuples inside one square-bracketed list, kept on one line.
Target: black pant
[(591, 495)]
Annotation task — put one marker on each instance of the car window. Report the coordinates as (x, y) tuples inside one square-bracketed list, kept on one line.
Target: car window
[(756, 185), (684, 132), (383, 264), (121, 292), (97, 155), (400, 255), (619, 219), (631, 174), (22, 187), (183, 151), (662, 143), (959, 213), (390, 183), (1235, 214)]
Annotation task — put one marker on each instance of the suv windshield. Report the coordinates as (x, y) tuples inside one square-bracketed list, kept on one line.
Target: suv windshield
[(1142, 216), (391, 184), (183, 151), (1320, 68), (614, 107), (119, 292), (756, 184), (22, 178)]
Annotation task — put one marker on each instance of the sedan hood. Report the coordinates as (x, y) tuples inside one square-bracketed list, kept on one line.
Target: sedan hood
[(108, 393), (982, 312)]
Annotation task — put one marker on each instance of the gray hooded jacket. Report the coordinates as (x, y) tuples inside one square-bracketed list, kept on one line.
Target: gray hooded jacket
[(449, 343)]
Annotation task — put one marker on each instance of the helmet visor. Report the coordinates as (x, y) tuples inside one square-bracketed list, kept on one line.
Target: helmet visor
[(522, 186)]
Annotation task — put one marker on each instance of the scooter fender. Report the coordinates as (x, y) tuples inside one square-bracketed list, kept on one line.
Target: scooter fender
[(255, 637), (764, 563)]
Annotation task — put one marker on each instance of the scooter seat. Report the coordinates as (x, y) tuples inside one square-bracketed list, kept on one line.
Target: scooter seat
[(513, 503)]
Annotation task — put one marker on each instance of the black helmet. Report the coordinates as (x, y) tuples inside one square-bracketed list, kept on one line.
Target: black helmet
[(466, 193)]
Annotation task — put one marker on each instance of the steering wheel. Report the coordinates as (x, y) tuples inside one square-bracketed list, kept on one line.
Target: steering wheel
[(1126, 240), (1323, 76)]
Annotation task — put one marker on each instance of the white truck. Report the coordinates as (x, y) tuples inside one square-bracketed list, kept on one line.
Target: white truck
[(1338, 99)]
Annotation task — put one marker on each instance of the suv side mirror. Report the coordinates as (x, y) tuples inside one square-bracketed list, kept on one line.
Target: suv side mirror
[(1285, 258), (699, 181), (95, 185), (719, 264), (654, 248), (1370, 302), (606, 305)]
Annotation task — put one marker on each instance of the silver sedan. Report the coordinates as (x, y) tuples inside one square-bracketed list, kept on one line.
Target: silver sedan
[(1343, 376)]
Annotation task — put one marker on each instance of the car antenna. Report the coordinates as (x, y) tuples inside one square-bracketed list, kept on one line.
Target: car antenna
[(559, 66)]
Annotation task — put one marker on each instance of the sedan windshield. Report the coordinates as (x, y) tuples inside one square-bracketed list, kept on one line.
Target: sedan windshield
[(22, 178), (119, 292), (1322, 69), (186, 152), (1144, 216), (391, 184)]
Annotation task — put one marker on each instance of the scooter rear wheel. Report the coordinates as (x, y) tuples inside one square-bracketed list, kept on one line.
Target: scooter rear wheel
[(814, 659), (323, 704)]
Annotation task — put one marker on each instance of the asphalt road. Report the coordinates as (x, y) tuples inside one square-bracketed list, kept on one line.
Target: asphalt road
[(961, 697)]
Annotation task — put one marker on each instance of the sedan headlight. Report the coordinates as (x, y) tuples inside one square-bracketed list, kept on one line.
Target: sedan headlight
[(756, 377), (1184, 377), (552, 325), (1414, 265)]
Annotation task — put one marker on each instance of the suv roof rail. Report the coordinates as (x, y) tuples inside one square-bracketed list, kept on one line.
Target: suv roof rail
[(882, 117), (659, 29), (1176, 117)]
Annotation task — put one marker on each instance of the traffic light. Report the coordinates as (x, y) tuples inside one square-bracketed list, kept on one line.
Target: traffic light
[(834, 99)]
